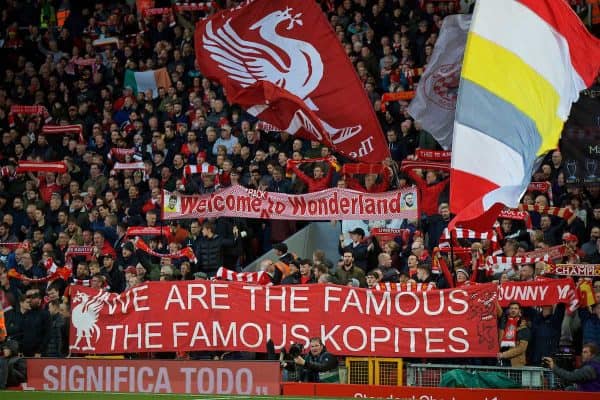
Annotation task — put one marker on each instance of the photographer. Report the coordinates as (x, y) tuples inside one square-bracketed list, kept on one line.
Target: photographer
[(318, 365), (586, 378)]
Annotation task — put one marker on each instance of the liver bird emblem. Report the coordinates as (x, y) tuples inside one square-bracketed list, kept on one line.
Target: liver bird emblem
[(84, 318), (247, 62)]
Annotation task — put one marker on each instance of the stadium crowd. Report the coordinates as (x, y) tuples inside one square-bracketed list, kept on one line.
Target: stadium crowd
[(62, 55)]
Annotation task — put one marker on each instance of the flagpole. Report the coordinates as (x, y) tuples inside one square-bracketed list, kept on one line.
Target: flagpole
[(452, 249)]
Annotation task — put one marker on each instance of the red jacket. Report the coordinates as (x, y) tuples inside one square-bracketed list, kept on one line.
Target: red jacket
[(314, 185), (428, 194)]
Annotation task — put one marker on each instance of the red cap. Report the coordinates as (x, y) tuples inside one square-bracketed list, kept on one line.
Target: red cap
[(569, 237), (131, 270)]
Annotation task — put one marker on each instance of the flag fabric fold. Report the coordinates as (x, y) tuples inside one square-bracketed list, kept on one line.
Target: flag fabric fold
[(435, 99), (284, 65), (516, 90)]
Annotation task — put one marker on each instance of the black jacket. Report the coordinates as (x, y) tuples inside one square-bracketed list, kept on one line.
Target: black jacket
[(210, 253), (36, 330), (13, 370), (56, 337)]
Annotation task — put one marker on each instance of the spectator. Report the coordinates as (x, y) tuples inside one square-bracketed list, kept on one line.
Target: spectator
[(36, 325), (319, 181), (514, 336), (347, 270), (58, 334), (389, 273), (590, 323), (358, 248), (586, 378), (209, 249)]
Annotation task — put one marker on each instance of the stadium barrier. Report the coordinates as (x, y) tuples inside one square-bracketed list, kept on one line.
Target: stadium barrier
[(374, 371), (154, 376), (324, 390), (533, 378)]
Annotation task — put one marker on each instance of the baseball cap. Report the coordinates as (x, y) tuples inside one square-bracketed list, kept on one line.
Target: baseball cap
[(357, 231)]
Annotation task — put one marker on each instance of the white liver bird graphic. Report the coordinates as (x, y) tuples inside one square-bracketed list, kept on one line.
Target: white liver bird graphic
[(84, 317), (248, 62)]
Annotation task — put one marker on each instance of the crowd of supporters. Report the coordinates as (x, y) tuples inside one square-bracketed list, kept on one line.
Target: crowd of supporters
[(50, 60)]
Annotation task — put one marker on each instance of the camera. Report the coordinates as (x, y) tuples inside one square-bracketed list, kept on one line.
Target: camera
[(295, 350)]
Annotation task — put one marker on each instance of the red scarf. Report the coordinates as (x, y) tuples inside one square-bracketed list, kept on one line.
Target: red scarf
[(64, 129), (29, 110), (509, 335)]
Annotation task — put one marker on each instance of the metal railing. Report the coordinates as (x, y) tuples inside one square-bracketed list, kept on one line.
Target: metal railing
[(536, 378)]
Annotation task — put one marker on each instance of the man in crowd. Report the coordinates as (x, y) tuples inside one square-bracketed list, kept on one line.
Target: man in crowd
[(586, 378), (514, 336)]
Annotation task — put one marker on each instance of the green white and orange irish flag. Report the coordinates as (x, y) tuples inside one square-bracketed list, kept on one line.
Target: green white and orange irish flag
[(142, 81)]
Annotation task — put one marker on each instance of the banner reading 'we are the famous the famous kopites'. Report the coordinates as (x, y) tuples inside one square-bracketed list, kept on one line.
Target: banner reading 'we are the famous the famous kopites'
[(232, 316), (335, 203)]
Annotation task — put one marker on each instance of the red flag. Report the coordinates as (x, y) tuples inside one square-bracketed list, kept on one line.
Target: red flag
[(286, 66)]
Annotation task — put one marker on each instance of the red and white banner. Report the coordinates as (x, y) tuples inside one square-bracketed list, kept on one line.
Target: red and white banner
[(543, 292), (284, 64), (232, 316), (574, 269), (154, 376), (335, 203)]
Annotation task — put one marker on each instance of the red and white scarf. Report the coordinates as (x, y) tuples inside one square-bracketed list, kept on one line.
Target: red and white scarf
[(75, 251), (186, 252), (129, 166), (148, 231), (184, 6), (205, 168), (64, 129), (509, 335), (27, 110), (495, 260), (433, 155), (120, 154), (81, 282), (404, 287), (460, 233), (563, 213), (16, 245), (259, 277), (41, 166), (434, 165)]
